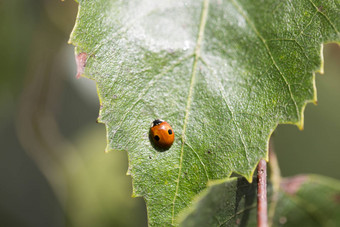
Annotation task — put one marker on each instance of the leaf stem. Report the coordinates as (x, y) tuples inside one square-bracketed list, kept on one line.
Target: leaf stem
[(262, 214)]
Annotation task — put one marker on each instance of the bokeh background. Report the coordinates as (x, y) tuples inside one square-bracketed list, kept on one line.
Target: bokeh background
[(53, 169)]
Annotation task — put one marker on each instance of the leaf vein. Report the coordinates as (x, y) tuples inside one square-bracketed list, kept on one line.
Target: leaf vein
[(292, 40), (199, 158), (271, 57), (197, 53), (238, 213), (223, 92), (307, 25), (325, 16)]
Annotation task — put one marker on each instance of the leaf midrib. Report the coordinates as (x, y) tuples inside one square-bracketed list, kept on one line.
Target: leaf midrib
[(203, 20)]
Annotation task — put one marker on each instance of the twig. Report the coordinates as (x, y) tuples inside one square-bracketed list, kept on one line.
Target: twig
[(262, 216)]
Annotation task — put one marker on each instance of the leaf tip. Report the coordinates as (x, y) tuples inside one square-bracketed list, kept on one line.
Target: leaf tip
[(250, 176), (321, 69), (108, 148), (300, 125)]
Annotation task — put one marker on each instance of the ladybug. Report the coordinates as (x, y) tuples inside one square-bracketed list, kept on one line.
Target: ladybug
[(162, 134)]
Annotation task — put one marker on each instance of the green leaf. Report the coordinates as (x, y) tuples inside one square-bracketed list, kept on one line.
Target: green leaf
[(223, 74), (307, 200), (225, 203)]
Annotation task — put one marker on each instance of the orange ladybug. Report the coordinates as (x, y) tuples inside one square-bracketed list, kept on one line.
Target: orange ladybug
[(162, 134)]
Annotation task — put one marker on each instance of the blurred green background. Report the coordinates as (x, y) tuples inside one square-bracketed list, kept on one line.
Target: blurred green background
[(54, 171)]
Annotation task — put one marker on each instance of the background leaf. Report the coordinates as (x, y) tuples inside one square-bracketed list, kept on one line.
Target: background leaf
[(307, 200), (225, 203), (222, 73)]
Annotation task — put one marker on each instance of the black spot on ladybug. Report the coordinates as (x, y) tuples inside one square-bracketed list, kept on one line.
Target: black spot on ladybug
[(170, 131), (156, 138)]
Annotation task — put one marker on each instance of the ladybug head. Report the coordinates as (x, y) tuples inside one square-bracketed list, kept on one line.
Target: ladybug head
[(156, 122)]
